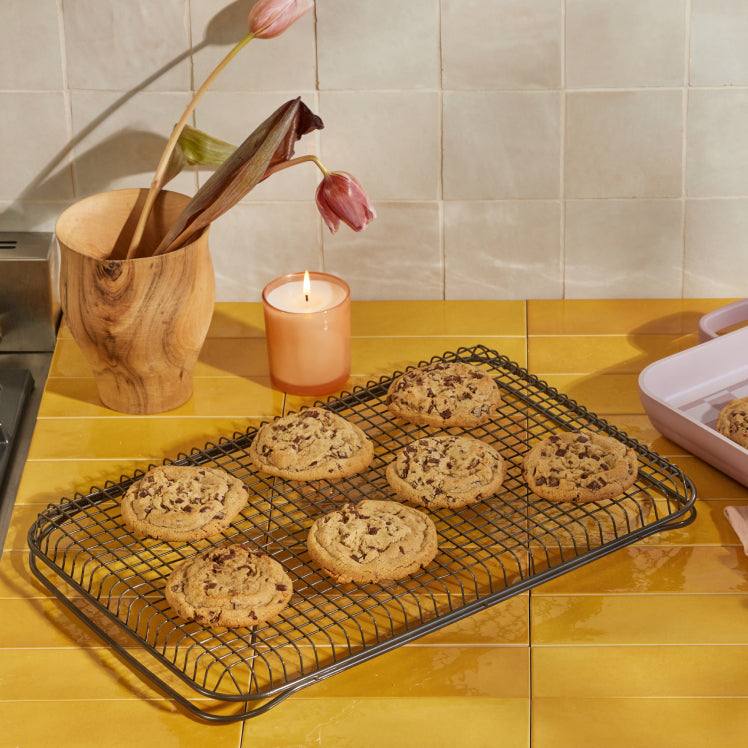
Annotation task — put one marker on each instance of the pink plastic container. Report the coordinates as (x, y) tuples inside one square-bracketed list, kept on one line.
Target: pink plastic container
[(683, 393)]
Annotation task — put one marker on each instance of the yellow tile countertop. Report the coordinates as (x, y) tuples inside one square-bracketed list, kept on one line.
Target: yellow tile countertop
[(645, 646)]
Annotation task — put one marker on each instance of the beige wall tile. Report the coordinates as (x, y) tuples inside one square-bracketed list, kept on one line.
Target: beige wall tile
[(286, 63), (717, 152), (502, 44), (114, 45), (624, 144), (719, 52), (501, 145), (716, 260), (33, 154), (623, 249), (503, 250), (397, 257), (30, 45), (254, 243), (388, 140), (119, 141), (24, 215), (388, 44), (625, 43)]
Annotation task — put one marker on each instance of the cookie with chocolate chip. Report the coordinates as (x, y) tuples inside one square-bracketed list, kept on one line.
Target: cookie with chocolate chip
[(371, 540), (732, 421), (183, 503), (446, 471), (444, 393), (228, 586), (312, 444), (580, 467)]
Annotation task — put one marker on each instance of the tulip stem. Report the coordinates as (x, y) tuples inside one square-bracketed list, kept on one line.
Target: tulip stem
[(294, 162), (157, 183)]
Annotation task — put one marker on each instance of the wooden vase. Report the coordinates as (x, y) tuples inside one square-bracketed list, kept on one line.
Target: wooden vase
[(139, 322)]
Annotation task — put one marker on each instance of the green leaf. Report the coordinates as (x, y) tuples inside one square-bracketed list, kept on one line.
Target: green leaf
[(200, 148), (270, 144)]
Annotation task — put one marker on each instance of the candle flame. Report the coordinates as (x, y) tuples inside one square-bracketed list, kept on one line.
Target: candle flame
[(307, 285)]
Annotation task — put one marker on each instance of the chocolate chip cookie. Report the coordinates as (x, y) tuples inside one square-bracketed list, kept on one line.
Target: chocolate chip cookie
[(580, 467), (446, 471), (732, 421), (372, 540), (311, 445), (228, 586), (183, 503), (444, 393)]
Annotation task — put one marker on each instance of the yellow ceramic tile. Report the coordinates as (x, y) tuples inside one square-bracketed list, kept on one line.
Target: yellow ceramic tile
[(220, 356), (42, 623), (438, 318), (709, 528), (65, 674), (46, 481), (15, 577), (603, 394), (506, 622), (218, 397), (638, 619), (235, 357), (710, 483), (21, 519), (611, 672), (640, 428), (625, 723), (438, 672), (616, 316), (377, 357), (601, 354), (300, 722), (113, 723), (128, 437), (657, 569), (237, 320)]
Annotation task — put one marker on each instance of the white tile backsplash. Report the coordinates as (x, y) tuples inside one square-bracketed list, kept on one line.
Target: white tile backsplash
[(30, 55), (641, 240), (625, 43), (501, 145), (513, 149), (111, 45), (388, 44), (624, 144), (502, 44), (717, 146), (507, 249)]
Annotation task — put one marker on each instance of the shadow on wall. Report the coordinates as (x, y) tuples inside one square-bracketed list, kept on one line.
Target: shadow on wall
[(138, 150)]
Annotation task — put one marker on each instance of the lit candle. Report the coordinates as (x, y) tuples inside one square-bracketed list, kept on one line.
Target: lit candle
[(308, 328)]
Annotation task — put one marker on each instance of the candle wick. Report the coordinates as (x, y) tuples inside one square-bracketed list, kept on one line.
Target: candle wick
[(306, 296)]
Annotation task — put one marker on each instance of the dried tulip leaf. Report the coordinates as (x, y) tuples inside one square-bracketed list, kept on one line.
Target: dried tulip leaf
[(200, 148), (270, 144)]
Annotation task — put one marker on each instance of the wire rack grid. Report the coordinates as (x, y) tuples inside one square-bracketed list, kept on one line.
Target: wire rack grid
[(488, 552)]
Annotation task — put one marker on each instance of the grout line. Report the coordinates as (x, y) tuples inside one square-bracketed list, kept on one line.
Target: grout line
[(684, 144)]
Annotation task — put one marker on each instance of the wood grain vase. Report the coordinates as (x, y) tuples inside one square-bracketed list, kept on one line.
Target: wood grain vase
[(142, 322)]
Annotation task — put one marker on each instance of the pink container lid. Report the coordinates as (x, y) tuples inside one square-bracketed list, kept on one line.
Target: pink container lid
[(683, 393)]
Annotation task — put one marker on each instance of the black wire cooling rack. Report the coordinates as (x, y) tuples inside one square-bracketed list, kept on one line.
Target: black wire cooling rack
[(113, 581)]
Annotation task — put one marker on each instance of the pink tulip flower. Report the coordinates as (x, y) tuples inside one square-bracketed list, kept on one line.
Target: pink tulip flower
[(340, 197), (268, 18)]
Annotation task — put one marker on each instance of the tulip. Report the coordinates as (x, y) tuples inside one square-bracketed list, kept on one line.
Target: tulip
[(268, 18), (340, 197)]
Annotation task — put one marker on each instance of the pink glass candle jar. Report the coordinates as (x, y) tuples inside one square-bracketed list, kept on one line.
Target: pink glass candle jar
[(308, 332)]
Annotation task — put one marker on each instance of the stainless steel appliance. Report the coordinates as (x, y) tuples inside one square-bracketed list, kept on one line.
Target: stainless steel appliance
[(29, 317)]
